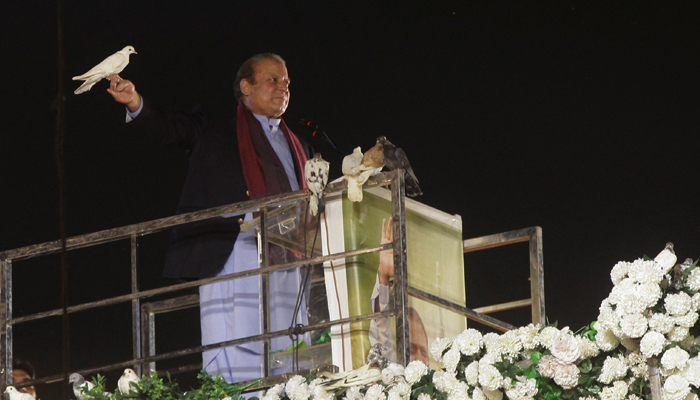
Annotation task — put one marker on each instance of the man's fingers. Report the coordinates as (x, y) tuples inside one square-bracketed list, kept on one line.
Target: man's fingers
[(113, 81), (120, 86)]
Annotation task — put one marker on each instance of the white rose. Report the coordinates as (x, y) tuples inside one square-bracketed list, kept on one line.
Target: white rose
[(606, 340), (634, 325), (566, 375), (652, 344), (566, 349), (438, 347), (677, 304), (414, 371), (375, 392), (471, 373), (661, 323), (614, 368), (674, 358), (469, 342), (489, 377), (691, 372), (676, 388), (677, 334)]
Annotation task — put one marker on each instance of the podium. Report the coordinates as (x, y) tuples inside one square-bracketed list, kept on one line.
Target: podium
[(434, 262)]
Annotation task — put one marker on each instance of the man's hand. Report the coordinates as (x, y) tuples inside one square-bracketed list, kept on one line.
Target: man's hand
[(386, 257), (124, 92)]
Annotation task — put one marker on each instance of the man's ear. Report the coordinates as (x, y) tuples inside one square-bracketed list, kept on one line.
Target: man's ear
[(245, 87)]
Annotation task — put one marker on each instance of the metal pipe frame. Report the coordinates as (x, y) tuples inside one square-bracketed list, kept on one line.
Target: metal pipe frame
[(398, 201), (157, 225), (199, 349), (135, 305), (187, 285), (132, 232), (148, 323), (264, 293), (143, 315), (6, 329), (532, 235)]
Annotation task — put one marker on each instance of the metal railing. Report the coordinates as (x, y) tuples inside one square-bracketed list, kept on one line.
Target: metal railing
[(140, 339), (533, 236)]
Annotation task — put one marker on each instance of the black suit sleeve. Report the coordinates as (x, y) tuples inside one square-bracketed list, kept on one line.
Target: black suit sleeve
[(182, 129)]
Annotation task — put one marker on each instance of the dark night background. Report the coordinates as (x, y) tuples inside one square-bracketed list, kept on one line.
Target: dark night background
[(580, 117)]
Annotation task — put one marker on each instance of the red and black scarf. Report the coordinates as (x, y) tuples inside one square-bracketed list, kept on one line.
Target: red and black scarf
[(262, 169)]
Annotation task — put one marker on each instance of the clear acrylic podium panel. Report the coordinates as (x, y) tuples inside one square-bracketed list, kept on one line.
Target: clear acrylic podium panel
[(289, 226), (294, 234)]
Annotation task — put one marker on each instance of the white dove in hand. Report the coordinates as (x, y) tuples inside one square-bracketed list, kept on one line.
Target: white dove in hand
[(80, 385), (111, 65), (17, 395), (316, 176), (127, 377)]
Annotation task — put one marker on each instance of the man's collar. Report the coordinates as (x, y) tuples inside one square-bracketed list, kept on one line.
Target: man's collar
[(264, 121)]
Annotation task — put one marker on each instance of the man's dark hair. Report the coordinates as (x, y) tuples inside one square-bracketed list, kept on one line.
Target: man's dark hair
[(247, 72), (25, 366)]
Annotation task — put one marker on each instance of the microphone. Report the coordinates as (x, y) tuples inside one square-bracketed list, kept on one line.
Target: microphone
[(316, 131)]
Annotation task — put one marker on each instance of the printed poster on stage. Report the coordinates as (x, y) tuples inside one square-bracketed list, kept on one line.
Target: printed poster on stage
[(435, 265)]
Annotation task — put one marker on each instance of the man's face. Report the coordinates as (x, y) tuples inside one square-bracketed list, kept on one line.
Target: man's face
[(19, 376), (419, 341), (269, 96)]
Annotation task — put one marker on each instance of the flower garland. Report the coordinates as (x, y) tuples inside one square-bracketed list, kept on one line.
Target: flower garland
[(649, 318)]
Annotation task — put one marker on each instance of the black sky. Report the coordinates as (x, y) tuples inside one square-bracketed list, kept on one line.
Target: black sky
[(580, 117)]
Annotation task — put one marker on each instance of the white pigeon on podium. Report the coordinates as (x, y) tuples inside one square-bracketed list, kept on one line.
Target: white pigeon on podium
[(125, 380), (357, 169), (316, 176), (111, 65), (368, 373), (667, 258), (80, 385), (17, 395)]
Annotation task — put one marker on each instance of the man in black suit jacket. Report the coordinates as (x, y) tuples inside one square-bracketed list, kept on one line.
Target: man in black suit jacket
[(232, 159)]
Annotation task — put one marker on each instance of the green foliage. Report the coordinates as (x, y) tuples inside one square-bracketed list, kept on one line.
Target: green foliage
[(689, 270), (154, 388), (215, 388), (98, 392), (508, 369), (535, 357), (552, 324), (530, 372), (694, 350), (547, 390), (640, 387), (312, 375), (588, 331), (425, 385), (589, 371), (325, 336)]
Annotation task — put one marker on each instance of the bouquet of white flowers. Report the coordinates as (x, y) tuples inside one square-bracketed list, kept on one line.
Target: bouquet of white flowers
[(648, 320)]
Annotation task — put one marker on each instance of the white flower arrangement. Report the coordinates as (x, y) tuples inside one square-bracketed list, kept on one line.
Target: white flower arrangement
[(649, 319), (648, 314)]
